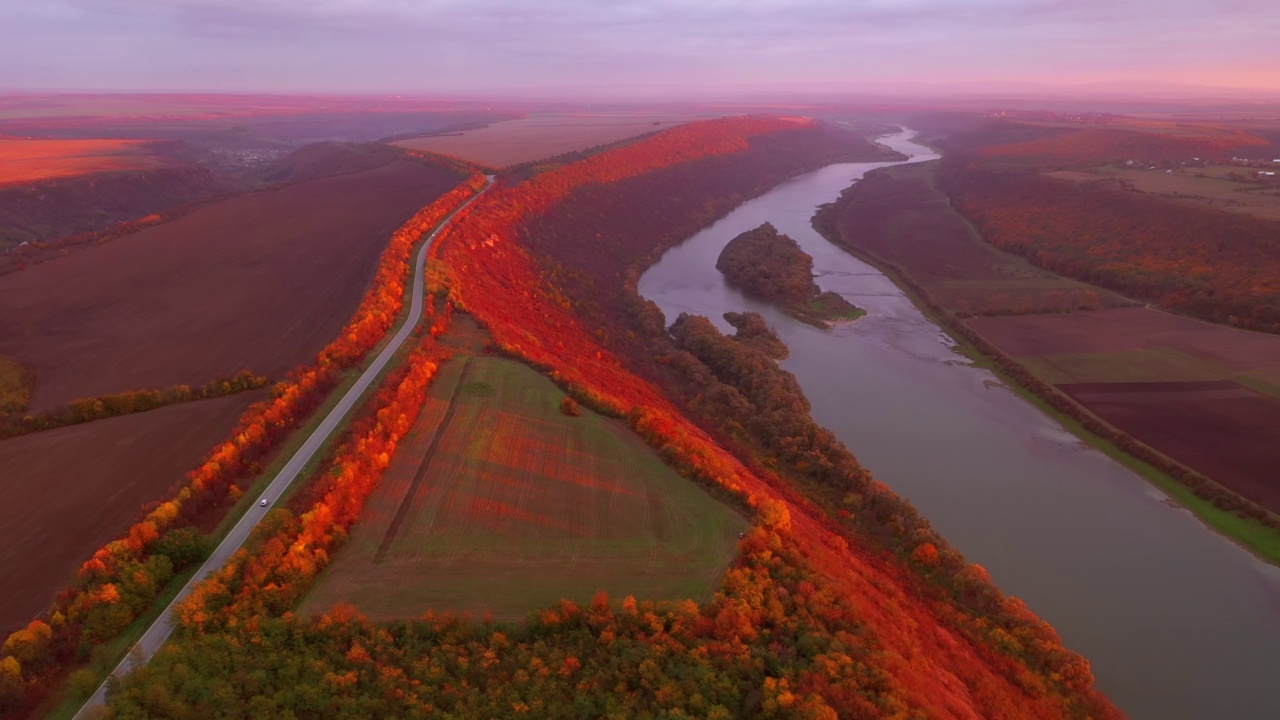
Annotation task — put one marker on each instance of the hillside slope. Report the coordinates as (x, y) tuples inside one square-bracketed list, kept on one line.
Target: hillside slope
[(822, 615)]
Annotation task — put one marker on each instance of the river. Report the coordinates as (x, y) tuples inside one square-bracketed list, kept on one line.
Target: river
[(1177, 621)]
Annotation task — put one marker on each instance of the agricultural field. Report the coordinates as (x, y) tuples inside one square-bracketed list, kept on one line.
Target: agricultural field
[(1113, 338), (897, 214), (499, 503), (258, 281), (1207, 395), (1225, 430), (1072, 145), (69, 491), (512, 142), (23, 160), (1206, 186), (1204, 394)]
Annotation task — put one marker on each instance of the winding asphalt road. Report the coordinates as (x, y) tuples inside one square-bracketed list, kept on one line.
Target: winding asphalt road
[(159, 632)]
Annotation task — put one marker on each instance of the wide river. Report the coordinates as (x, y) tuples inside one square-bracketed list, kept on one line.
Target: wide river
[(1177, 621)]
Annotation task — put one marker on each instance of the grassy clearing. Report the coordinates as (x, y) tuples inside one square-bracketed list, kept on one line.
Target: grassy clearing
[(1159, 364), (15, 386), (506, 505), (832, 306)]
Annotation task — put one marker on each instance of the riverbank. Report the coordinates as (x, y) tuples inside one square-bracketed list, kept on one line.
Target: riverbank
[(881, 199), (1090, 546)]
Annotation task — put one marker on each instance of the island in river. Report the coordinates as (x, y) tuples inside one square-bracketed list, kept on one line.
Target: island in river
[(768, 265)]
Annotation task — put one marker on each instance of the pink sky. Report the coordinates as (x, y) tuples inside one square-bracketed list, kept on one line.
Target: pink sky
[(683, 46)]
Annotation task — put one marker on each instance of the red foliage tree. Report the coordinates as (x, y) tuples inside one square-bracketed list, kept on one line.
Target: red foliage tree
[(94, 608)]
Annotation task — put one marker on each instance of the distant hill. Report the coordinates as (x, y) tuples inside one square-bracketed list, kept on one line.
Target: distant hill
[(323, 159), (72, 211), (50, 209)]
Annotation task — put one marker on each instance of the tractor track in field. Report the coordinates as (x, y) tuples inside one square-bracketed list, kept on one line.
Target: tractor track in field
[(411, 494)]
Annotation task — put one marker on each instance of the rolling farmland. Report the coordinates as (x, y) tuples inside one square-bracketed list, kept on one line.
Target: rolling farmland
[(498, 503), (518, 141), (68, 491), (23, 160), (258, 281), (1206, 395), (898, 215)]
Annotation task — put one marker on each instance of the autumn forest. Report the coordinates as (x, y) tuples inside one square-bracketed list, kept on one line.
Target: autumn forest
[(295, 406)]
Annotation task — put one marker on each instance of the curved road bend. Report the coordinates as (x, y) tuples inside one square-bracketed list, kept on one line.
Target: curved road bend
[(162, 627)]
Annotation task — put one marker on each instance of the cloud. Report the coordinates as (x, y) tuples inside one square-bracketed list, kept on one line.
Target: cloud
[(449, 44)]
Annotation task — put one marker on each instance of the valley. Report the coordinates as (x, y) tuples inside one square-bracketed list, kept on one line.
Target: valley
[(588, 474)]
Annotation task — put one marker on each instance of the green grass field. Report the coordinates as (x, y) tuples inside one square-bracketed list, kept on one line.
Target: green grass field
[(498, 503), (1156, 364)]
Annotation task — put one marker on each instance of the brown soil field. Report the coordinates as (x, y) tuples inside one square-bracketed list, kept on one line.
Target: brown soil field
[(1251, 355), (1205, 395), (68, 492), (898, 214), (518, 141), (1213, 190), (23, 160), (1220, 428), (260, 281), (496, 502)]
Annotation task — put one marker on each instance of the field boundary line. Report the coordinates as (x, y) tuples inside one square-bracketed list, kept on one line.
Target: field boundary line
[(411, 493)]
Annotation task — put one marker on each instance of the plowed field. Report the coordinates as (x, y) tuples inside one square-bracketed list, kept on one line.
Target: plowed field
[(1224, 430), (259, 281), (67, 492), (1206, 395)]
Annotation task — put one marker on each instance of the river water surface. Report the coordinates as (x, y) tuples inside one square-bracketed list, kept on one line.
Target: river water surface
[(1177, 621)]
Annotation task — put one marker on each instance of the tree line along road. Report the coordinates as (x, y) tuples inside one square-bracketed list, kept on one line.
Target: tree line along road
[(160, 630)]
